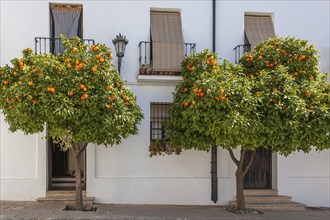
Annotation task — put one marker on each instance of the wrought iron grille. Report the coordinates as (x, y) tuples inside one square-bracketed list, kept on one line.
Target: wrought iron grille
[(145, 58), (240, 50), (159, 113), (45, 45)]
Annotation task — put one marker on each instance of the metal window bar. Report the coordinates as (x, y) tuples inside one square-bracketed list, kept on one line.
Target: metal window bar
[(145, 58), (45, 45), (159, 113), (240, 50)]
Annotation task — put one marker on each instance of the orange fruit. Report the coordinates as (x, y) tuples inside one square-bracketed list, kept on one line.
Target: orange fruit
[(185, 90), (5, 82), (112, 97), (95, 48), (193, 102), (109, 87), (74, 50), (30, 97), (69, 65), (85, 95), (222, 91), (52, 90), (97, 56), (81, 86), (295, 73), (186, 104), (310, 107), (94, 69), (30, 83), (201, 94), (70, 93), (223, 98), (109, 106), (257, 93), (101, 60), (118, 85)]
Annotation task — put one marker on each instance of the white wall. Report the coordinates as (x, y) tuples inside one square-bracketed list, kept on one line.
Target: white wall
[(126, 173), (22, 165), (306, 177)]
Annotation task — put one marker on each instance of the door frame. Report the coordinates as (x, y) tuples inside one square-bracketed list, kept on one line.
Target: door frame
[(50, 168)]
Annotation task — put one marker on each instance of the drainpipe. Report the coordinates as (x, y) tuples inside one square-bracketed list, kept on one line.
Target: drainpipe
[(214, 150)]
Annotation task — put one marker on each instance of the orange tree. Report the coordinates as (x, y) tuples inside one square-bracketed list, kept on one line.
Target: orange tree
[(78, 95), (275, 98)]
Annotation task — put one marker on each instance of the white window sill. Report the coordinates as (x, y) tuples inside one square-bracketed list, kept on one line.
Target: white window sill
[(158, 79)]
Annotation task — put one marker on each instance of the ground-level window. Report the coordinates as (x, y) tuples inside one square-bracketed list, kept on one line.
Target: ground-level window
[(159, 113)]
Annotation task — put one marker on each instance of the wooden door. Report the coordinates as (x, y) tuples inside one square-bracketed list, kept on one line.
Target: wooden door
[(259, 175)]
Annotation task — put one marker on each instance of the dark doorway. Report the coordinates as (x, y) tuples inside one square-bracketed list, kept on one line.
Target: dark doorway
[(259, 175), (61, 168)]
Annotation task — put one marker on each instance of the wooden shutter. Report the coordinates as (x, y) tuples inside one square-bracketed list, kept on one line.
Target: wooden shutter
[(167, 40), (258, 29)]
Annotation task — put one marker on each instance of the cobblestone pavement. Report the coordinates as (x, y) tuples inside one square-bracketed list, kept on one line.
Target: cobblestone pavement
[(52, 211)]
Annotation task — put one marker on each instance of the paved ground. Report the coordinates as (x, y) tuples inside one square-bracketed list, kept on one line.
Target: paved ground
[(51, 211)]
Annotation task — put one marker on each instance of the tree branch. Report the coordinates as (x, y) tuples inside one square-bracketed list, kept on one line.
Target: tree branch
[(83, 148), (242, 159), (231, 153), (250, 163)]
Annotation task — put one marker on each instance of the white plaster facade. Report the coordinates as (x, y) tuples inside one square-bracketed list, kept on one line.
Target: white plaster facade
[(126, 173)]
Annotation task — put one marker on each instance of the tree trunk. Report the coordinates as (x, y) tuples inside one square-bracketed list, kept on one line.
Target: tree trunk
[(240, 173), (240, 199), (78, 150)]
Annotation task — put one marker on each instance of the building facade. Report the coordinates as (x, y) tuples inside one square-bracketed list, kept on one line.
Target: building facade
[(125, 173)]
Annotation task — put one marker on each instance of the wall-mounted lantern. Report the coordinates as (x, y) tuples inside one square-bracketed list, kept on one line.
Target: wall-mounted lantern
[(120, 43)]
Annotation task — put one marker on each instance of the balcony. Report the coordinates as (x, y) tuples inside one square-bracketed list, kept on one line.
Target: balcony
[(240, 50), (44, 45), (146, 72)]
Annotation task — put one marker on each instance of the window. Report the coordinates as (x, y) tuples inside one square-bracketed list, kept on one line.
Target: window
[(67, 20), (167, 40), (258, 28), (159, 113)]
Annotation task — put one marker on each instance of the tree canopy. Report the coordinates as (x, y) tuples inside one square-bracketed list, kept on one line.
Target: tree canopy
[(275, 97), (78, 94)]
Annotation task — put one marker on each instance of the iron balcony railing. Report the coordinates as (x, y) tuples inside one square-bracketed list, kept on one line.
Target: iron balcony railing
[(240, 50), (45, 45), (145, 58)]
